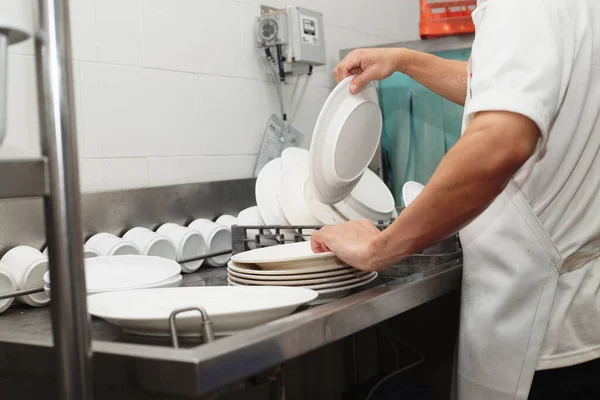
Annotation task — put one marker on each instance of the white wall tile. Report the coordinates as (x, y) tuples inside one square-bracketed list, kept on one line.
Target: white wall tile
[(125, 173), (191, 35), (309, 111), (23, 133), (118, 31), (83, 30), (234, 113), (130, 112), (399, 22), (164, 123), (173, 170), (91, 174), (254, 64)]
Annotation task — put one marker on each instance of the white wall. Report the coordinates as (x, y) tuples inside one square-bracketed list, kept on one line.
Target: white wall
[(172, 91)]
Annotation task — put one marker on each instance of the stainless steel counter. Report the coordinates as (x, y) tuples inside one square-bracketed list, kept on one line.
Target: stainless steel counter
[(151, 364)]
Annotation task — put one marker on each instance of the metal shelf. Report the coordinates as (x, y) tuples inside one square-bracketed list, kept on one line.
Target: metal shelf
[(23, 178)]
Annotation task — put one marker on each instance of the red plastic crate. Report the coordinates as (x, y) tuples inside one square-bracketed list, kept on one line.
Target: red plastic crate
[(444, 18)]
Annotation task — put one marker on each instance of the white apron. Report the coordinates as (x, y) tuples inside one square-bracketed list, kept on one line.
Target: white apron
[(510, 274)]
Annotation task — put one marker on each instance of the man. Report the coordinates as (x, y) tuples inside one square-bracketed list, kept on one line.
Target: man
[(523, 187)]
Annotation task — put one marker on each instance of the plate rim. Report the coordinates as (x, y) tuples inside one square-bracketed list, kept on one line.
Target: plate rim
[(408, 186), (370, 276), (308, 291), (351, 205), (317, 139), (236, 258), (275, 277), (266, 282)]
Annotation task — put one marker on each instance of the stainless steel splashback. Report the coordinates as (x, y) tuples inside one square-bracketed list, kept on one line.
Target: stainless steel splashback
[(22, 220)]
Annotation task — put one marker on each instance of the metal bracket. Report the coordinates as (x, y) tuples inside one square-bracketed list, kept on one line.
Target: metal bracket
[(207, 328)]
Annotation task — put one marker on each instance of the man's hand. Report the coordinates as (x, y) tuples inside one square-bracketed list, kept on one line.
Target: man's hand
[(369, 65), (447, 78), (351, 242)]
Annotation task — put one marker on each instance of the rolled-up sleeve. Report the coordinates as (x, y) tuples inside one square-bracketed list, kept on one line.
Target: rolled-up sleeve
[(521, 61)]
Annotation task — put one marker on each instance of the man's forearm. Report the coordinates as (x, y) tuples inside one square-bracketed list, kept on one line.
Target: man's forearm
[(467, 180), (448, 78)]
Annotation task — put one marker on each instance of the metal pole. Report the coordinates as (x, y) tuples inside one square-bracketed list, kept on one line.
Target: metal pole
[(3, 82), (70, 321)]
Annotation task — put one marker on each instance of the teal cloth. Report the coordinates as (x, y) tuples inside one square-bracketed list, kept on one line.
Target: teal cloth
[(419, 127)]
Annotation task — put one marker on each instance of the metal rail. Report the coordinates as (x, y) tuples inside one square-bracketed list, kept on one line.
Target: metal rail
[(70, 321), (4, 42)]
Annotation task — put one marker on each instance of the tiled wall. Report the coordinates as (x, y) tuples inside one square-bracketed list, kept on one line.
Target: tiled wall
[(172, 91)]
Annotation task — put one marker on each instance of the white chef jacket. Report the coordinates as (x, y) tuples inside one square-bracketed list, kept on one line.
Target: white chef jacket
[(541, 59)]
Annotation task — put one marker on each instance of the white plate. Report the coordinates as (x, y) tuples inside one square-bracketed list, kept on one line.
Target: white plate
[(410, 191), (282, 253), (370, 199), (326, 214), (290, 257), (125, 272), (169, 283), (329, 295), (303, 266), (291, 196), (274, 275), (323, 264), (295, 280), (345, 139), (323, 213), (230, 309), (322, 286), (266, 193), (293, 155)]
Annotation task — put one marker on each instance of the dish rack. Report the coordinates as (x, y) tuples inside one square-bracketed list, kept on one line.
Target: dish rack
[(245, 238)]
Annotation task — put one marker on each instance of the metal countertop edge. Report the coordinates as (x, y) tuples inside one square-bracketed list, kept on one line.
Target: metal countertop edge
[(231, 359)]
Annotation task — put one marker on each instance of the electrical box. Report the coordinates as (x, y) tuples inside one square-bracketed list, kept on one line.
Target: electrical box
[(296, 32), (307, 40)]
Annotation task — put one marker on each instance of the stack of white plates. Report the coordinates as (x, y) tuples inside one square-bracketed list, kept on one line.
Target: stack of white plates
[(330, 184), (295, 265), (116, 273)]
